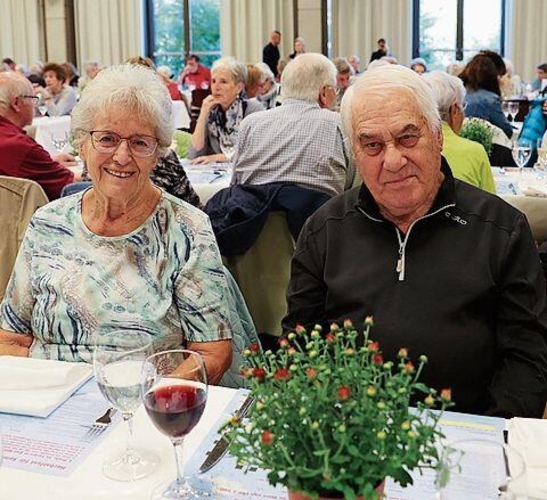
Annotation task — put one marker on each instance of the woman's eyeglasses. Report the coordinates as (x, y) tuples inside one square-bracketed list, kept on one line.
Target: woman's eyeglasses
[(108, 142)]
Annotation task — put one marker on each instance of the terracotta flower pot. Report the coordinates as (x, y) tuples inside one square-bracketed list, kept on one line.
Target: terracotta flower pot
[(296, 495)]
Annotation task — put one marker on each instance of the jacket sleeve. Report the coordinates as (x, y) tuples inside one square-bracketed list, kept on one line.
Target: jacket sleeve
[(519, 387), (307, 292)]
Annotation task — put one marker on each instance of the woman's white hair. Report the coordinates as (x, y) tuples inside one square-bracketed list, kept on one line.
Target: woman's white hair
[(267, 73), (306, 75), (382, 78), (130, 86), (236, 68), (446, 90)]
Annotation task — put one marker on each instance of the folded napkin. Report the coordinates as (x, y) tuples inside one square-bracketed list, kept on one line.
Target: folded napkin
[(36, 387), (529, 437), (533, 191)]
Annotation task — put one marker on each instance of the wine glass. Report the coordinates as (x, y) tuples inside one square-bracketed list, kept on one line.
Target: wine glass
[(59, 140), (174, 392), (513, 108), (117, 363), (522, 149), (541, 164), (505, 108), (42, 106), (477, 469)]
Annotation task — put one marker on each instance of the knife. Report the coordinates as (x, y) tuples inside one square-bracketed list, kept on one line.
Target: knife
[(221, 446)]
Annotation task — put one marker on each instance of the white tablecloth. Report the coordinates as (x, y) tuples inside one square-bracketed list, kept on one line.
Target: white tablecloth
[(87, 482), (180, 116), (208, 179)]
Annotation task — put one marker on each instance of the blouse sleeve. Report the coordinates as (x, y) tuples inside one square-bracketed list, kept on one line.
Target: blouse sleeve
[(201, 289)]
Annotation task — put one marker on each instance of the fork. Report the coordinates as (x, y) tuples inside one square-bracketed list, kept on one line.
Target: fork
[(100, 425)]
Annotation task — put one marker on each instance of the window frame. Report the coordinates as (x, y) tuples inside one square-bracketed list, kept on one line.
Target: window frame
[(459, 47)]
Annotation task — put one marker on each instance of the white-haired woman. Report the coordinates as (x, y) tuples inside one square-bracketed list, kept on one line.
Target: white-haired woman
[(123, 254), (267, 95), (221, 112)]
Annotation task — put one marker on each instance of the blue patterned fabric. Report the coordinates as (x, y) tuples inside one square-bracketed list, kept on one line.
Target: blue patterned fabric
[(165, 278)]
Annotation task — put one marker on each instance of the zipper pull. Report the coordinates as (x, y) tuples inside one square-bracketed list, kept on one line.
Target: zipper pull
[(399, 267)]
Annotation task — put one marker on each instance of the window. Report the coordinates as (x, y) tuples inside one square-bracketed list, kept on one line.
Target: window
[(446, 31), (177, 28)]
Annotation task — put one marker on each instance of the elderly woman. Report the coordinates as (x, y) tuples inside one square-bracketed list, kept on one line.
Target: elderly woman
[(269, 90), (59, 97), (123, 255), (221, 112)]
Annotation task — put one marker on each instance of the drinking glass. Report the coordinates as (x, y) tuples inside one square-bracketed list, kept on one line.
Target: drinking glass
[(522, 149), (174, 392), (513, 109), (117, 363), (42, 106), (59, 140), (505, 108), (478, 469)]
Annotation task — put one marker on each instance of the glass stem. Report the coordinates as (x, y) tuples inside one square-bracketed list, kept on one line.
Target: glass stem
[(128, 418), (178, 445)]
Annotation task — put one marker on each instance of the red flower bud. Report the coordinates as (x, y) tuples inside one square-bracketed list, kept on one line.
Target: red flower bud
[(409, 367), (259, 373), (446, 394), (403, 352), (378, 359), (283, 343), (374, 347), (311, 373), (300, 329), (344, 392), (330, 338), (267, 438), (282, 374), (255, 348)]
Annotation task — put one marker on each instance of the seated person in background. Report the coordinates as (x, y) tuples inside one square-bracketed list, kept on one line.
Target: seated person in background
[(446, 270), (467, 159), (195, 75), (123, 255), (268, 92), (59, 97), (22, 156), (418, 65), (166, 75), (510, 83), (222, 112), (343, 79), (481, 80), (301, 141), (253, 82), (91, 69), (72, 76), (355, 63), (541, 72), (299, 47)]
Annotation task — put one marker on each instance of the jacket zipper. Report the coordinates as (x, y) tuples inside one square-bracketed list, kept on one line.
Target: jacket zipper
[(401, 261)]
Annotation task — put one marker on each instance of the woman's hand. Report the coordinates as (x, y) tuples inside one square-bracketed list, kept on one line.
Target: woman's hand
[(208, 103), (203, 160), (217, 356), (15, 344)]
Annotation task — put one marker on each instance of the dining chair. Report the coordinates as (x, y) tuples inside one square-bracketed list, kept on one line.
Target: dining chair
[(19, 199)]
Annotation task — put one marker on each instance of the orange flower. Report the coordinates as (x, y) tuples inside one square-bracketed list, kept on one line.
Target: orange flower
[(330, 338), (282, 374), (374, 347), (283, 343), (311, 373), (267, 438), (259, 373), (409, 367), (378, 359), (403, 352)]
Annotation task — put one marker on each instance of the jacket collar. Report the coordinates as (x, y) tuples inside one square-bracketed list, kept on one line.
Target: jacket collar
[(445, 196)]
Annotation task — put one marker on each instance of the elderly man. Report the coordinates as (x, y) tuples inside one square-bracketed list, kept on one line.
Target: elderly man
[(467, 159), (22, 156), (300, 142), (447, 270)]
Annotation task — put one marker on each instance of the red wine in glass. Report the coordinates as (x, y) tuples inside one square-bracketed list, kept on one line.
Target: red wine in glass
[(175, 409)]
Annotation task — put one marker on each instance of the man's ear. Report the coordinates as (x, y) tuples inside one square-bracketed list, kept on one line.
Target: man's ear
[(322, 98)]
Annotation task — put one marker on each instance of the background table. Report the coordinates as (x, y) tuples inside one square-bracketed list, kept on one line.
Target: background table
[(45, 127)]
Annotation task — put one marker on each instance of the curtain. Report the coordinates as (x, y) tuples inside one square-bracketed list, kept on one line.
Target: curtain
[(358, 24), (21, 31), (528, 36), (246, 25), (108, 31)]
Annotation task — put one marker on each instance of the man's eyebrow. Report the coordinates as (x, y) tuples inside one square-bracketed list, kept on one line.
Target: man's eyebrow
[(411, 127)]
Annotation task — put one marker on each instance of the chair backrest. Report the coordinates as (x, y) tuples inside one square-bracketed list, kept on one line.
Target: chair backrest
[(263, 273), (19, 199), (535, 209)]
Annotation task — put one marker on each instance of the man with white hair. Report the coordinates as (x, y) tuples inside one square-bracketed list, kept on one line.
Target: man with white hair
[(300, 142), (20, 155), (467, 159), (446, 270)]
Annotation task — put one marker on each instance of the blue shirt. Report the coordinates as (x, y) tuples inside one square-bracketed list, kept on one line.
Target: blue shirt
[(487, 105)]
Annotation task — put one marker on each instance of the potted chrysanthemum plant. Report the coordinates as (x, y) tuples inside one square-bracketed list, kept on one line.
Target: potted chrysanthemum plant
[(333, 419)]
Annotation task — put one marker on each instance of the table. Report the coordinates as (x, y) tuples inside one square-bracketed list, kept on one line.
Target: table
[(87, 481), (208, 179), (180, 116)]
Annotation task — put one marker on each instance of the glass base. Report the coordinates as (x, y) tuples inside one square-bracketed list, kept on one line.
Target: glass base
[(130, 466), (183, 490)]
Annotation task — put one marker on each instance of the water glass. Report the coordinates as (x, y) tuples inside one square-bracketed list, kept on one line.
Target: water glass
[(522, 149), (117, 362), (477, 469), (513, 109), (59, 140)]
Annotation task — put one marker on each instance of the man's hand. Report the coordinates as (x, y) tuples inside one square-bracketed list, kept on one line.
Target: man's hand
[(66, 160), (15, 344)]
